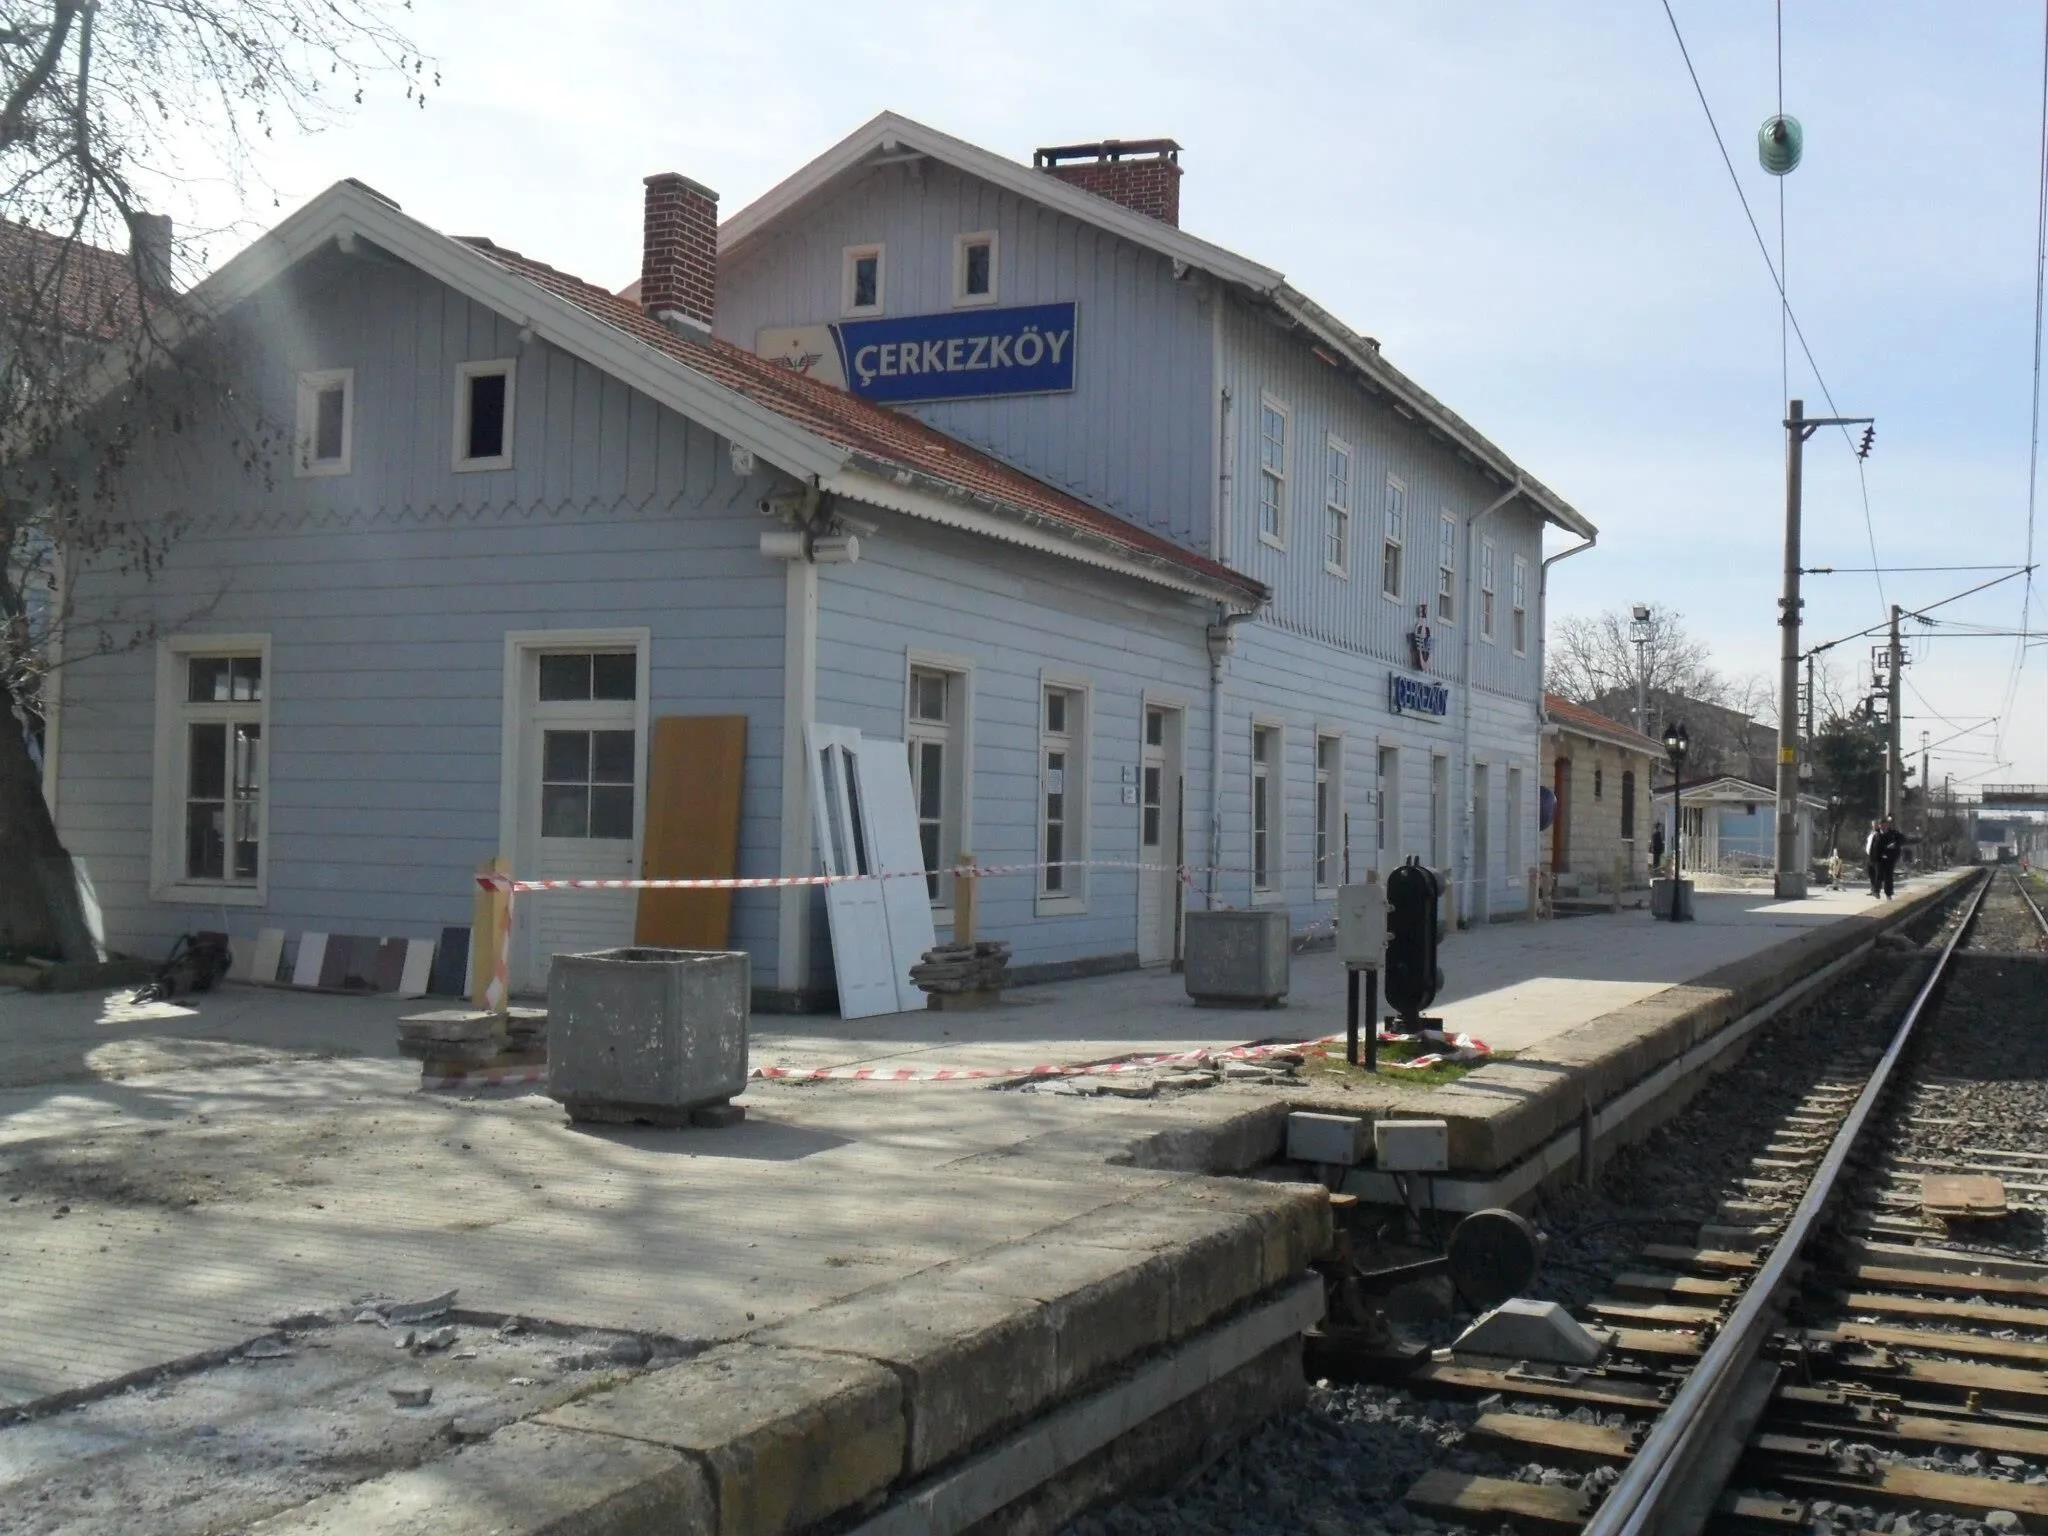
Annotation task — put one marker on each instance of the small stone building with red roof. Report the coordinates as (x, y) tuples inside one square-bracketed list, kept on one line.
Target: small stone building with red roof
[(1596, 793)]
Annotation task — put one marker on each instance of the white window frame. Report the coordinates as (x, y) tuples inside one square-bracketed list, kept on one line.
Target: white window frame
[(848, 257), (1518, 611), (1326, 858), (1072, 898), (1440, 791), (959, 734), (464, 372), (1274, 773), (962, 299), (1445, 607), (1395, 539), (1279, 477), (1488, 584), (167, 878), (312, 384), (1336, 513), (523, 649)]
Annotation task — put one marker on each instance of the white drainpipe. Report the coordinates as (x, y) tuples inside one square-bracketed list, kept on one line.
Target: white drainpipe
[(1470, 620), (1542, 656)]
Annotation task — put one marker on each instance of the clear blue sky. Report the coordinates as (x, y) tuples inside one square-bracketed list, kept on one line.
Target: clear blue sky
[(1523, 202)]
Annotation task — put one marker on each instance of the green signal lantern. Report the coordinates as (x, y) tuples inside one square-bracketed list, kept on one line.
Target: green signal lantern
[(1778, 144)]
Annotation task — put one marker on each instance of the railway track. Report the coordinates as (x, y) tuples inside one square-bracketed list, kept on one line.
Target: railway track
[(1856, 1339)]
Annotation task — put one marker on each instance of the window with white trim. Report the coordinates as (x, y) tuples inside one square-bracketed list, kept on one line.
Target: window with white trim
[(1266, 768), (974, 268), (1447, 568), (1062, 794), (935, 728), (1486, 587), (212, 712), (1337, 507), (1393, 538), (483, 415), (1329, 811), (1518, 607), (1514, 825), (1272, 472), (861, 291), (326, 427)]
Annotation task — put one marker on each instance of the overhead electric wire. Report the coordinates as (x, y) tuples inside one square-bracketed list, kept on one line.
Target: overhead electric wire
[(2019, 650), (1787, 316)]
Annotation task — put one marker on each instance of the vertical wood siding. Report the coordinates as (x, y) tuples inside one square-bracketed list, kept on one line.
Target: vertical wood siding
[(387, 594), (1133, 437)]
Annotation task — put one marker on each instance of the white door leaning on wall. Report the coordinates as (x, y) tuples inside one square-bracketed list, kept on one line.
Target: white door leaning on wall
[(866, 824), (579, 800)]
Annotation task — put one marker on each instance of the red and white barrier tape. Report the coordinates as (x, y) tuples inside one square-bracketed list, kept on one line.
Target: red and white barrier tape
[(1462, 1048)]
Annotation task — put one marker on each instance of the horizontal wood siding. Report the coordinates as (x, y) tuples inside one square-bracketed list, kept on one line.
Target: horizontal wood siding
[(1310, 688), (1133, 437), (1260, 359), (387, 594), (1016, 617)]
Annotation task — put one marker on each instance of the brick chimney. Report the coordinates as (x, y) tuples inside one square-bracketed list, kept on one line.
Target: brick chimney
[(679, 252), (150, 246), (1142, 174)]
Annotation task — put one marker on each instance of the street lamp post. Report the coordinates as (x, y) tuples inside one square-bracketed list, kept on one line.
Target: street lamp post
[(1639, 635), (1677, 743)]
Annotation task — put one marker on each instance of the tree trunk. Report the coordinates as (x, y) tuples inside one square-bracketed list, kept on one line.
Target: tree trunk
[(40, 912)]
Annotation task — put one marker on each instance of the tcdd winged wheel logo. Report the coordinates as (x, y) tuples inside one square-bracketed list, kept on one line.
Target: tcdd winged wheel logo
[(1419, 644)]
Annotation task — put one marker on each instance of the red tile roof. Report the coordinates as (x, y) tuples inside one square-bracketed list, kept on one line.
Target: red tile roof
[(79, 288), (887, 437), (1590, 722)]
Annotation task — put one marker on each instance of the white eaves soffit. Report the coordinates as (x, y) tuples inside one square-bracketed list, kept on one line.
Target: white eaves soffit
[(892, 134), (908, 495)]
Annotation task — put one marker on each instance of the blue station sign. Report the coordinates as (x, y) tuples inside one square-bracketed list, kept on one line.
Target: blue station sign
[(968, 354), (1417, 696)]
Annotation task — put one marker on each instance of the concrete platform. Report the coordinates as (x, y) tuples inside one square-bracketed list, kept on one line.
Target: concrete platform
[(880, 1285)]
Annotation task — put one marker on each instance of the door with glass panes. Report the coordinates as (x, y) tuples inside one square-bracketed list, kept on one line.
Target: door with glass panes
[(580, 805)]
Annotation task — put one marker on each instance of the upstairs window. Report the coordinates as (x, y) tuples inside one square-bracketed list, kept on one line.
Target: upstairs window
[(483, 415), (1486, 588), (1337, 508), (1392, 540), (974, 269), (1518, 607), (1447, 568), (862, 293), (326, 429), (1273, 473)]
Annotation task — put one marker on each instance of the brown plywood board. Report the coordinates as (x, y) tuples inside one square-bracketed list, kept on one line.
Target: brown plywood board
[(694, 768)]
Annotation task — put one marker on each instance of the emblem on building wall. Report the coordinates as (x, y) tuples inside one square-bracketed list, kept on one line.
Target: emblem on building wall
[(1420, 641)]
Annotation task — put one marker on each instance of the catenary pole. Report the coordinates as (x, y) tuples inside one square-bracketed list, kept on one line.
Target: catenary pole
[(1894, 768), (1788, 880)]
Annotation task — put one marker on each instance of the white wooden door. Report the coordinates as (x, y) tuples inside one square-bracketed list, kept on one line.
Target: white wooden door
[(890, 807), (1158, 840), (580, 788)]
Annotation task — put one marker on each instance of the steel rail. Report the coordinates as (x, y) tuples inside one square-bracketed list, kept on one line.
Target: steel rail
[(1638, 1504), (2019, 884)]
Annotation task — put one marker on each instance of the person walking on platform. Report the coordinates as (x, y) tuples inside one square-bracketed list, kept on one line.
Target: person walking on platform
[(1835, 870), (1884, 855), (1870, 853), (1657, 850)]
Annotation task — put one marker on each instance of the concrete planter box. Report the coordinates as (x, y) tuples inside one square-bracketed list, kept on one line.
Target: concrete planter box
[(1238, 957), (1671, 900), (647, 1034)]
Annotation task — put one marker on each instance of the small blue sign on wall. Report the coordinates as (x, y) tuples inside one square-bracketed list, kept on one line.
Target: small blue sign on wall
[(1417, 696)]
